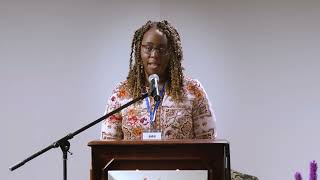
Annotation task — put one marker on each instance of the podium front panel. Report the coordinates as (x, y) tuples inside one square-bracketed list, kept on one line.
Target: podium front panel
[(210, 155)]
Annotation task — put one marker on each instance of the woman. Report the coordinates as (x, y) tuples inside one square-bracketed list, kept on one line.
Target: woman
[(184, 110)]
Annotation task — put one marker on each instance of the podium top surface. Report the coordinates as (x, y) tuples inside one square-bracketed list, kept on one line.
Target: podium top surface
[(156, 142)]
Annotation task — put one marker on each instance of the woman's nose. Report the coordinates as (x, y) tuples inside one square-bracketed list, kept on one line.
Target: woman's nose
[(155, 53)]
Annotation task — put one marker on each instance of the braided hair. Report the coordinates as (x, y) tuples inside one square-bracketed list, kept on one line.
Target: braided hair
[(136, 79)]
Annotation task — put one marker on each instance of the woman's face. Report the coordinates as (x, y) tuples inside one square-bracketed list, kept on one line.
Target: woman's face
[(154, 53)]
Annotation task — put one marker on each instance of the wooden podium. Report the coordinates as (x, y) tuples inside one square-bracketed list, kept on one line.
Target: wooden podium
[(211, 155)]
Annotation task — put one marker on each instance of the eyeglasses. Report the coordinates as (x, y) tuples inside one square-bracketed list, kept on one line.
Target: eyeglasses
[(148, 49)]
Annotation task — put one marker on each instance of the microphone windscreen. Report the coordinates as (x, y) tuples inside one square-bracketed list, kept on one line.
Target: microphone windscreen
[(153, 76)]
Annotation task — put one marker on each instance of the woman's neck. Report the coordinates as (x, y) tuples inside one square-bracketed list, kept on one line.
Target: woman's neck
[(161, 83)]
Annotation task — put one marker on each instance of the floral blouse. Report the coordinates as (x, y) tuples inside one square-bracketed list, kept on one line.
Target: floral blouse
[(189, 119)]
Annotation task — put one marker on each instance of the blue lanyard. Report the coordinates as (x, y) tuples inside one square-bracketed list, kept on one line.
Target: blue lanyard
[(152, 113)]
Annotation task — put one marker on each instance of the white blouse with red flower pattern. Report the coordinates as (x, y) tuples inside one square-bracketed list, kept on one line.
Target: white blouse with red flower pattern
[(189, 119)]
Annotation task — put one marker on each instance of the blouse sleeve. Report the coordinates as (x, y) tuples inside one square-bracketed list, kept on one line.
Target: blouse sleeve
[(111, 127), (202, 114)]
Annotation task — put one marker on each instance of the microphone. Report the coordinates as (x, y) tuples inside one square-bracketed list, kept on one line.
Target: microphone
[(153, 80)]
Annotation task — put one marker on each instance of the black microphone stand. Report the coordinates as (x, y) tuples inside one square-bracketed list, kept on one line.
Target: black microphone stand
[(64, 143)]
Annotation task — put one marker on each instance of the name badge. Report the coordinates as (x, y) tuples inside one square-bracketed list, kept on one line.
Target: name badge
[(151, 136)]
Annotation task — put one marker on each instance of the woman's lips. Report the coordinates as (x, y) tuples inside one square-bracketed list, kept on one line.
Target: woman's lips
[(153, 65)]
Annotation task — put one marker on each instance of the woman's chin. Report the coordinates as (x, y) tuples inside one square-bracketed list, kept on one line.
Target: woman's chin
[(153, 71)]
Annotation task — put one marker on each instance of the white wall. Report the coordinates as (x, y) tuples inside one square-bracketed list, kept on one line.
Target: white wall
[(258, 60)]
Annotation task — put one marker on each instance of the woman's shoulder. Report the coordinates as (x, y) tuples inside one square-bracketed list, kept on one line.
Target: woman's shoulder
[(193, 87), (188, 81), (120, 90)]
